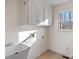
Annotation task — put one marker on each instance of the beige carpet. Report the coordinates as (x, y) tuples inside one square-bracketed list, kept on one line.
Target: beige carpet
[(50, 55)]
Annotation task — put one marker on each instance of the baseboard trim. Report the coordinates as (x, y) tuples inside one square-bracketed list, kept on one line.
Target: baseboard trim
[(41, 53), (61, 54)]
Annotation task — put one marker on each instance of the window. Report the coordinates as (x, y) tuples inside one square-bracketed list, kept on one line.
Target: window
[(66, 19)]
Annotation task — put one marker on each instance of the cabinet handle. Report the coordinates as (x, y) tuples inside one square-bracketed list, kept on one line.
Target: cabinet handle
[(24, 2)]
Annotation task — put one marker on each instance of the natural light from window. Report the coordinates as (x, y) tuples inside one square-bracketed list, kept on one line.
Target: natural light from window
[(45, 22), (24, 34)]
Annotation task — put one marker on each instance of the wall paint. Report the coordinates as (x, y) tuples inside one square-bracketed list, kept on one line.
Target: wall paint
[(56, 2), (11, 20), (60, 41), (23, 12), (41, 45)]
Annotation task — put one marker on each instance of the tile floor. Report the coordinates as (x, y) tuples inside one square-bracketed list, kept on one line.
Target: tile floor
[(50, 55)]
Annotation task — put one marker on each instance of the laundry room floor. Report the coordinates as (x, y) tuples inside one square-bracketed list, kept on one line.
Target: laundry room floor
[(50, 55)]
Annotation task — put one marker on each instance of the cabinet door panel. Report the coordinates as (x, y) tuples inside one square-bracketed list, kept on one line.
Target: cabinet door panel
[(32, 12), (40, 14), (36, 12)]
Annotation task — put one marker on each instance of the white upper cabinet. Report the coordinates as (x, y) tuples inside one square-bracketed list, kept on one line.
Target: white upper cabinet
[(36, 13), (32, 12)]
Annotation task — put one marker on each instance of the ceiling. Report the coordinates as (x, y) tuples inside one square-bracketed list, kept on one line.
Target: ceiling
[(55, 2)]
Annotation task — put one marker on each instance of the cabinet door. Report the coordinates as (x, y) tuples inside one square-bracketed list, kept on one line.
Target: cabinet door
[(32, 12), (44, 15), (36, 12), (40, 14), (47, 14)]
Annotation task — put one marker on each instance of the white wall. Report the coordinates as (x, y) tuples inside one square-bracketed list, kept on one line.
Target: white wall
[(55, 2), (41, 45), (23, 12), (11, 20), (60, 41)]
